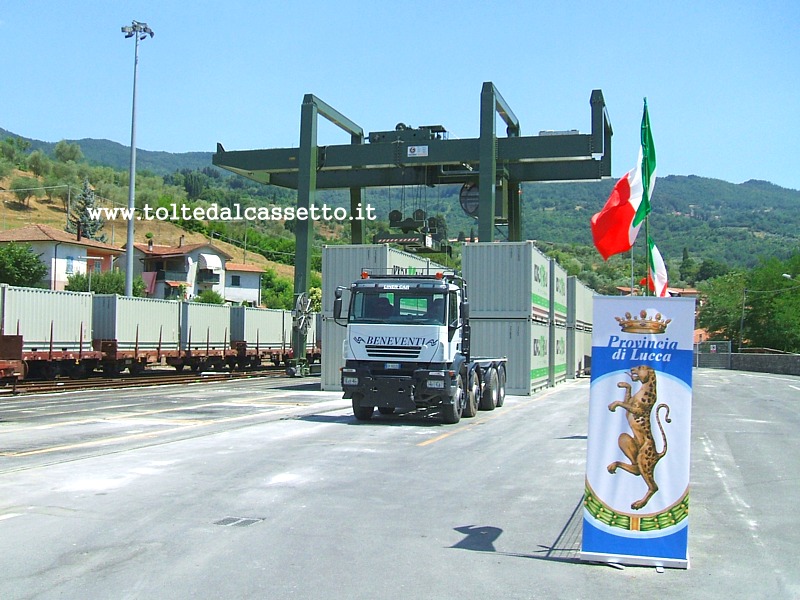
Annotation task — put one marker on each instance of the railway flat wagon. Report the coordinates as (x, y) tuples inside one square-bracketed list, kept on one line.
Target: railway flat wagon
[(49, 331), (205, 337), (259, 334), (134, 332)]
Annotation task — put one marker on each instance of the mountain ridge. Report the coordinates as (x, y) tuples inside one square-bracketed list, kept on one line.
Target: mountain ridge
[(735, 223)]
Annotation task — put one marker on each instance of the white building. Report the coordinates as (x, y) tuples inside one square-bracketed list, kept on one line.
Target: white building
[(63, 253), (243, 284), (182, 271)]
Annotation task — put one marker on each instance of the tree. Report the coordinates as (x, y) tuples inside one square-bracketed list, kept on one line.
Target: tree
[(721, 310), (108, 282), (757, 309), (14, 149), (5, 167), (689, 268), (772, 309), (38, 163), (79, 216), (209, 297), (66, 152), (194, 183), (20, 266), (24, 188), (710, 268), (277, 291), (315, 295)]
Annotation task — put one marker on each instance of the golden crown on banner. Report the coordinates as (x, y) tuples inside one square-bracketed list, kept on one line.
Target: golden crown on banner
[(643, 324)]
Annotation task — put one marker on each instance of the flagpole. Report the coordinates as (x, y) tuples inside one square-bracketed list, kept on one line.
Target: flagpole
[(648, 161), (632, 282), (647, 291)]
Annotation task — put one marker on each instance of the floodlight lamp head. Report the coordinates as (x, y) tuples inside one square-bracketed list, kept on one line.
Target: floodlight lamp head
[(138, 28)]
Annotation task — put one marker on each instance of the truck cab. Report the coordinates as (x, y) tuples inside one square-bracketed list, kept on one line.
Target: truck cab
[(407, 346)]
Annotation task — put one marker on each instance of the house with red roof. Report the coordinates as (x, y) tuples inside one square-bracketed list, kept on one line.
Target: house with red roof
[(63, 253), (182, 271), (243, 283), (186, 270)]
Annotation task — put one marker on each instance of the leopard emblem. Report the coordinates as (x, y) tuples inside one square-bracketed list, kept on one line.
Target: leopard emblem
[(640, 448)]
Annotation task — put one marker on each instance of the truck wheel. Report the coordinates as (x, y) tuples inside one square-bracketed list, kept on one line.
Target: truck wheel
[(473, 393), (362, 413), (451, 413), (490, 384), (501, 385)]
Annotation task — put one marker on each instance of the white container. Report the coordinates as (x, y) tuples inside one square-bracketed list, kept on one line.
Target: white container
[(143, 323), (314, 337), (583, 350), (558, 354), (205, 326), (580, 300), (333, 337), (261, 328), (342, 265), (508, 280), (572, 353), (47, 319), (524, 342), (558, 293)]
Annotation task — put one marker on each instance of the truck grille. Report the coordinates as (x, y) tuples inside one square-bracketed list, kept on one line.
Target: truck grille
[(376, 351)]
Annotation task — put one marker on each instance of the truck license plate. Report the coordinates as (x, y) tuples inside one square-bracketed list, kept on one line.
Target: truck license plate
[(391, 366)]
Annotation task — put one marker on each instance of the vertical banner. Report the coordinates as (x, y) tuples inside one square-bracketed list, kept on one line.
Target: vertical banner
[(637, 466)]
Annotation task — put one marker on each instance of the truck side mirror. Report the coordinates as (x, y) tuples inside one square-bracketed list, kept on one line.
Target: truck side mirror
[(337, 304), (465, 311)]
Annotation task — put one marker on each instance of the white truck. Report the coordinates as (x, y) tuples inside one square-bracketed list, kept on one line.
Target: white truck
[(408, 347)]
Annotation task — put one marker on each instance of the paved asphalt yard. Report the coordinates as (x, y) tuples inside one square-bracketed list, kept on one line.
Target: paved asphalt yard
[(268, 489)]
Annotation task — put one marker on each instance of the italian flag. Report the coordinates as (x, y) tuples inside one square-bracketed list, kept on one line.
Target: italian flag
[(614, 229), (657, 272)]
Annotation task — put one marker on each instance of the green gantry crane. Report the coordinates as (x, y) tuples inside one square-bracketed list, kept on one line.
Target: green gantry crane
[(489, 168)]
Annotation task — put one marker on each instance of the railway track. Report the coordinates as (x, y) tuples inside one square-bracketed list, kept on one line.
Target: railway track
[(151, 378)]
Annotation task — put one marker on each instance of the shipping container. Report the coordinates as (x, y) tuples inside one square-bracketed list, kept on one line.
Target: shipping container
[(260, 328), (205, 327), (333, 337), (579, 304), (583, 351), (314, 338), (508, 280), (136, 323), (524, 341), (48, 321), (342, 265), (558, 354), (579, 352), (558, 293)]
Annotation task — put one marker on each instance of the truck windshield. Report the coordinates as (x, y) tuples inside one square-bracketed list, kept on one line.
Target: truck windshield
[(406, 306)]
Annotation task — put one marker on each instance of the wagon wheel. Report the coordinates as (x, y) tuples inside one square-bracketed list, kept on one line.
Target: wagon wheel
[(301, 315)]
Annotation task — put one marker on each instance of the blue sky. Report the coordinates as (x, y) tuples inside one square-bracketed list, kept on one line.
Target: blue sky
[(721, 78)]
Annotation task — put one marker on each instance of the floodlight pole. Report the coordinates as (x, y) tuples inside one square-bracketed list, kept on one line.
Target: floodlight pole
[(138, 31)]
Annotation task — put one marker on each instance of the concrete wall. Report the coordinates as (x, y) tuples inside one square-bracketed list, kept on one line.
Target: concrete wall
[(784, 364)]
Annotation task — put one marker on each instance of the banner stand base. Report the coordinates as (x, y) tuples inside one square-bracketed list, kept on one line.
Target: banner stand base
[(634, 561)]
